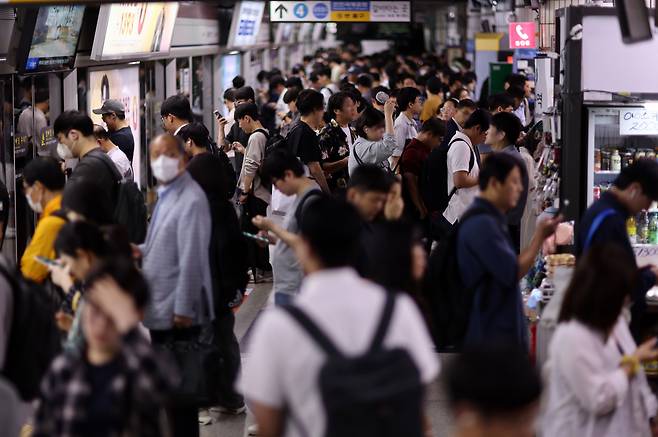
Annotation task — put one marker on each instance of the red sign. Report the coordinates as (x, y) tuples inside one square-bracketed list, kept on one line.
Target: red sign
[(522, 36)]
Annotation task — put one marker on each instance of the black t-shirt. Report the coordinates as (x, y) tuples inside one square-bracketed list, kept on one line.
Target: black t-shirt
[(304, 142), (103, 409), (125, 141), (97, 167)]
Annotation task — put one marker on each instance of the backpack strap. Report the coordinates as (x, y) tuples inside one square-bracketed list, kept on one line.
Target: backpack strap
[(384, 322), (471, 163), (299, 211), (113, 168), (596, 223), (312, 330), (264, 132)]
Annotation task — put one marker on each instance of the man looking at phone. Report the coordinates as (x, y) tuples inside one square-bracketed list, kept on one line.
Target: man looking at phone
[(176, 113), (43, 183), (287, 174), (236, 136)]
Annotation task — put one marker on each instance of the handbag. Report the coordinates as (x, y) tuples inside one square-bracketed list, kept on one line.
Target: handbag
[(198, 362)]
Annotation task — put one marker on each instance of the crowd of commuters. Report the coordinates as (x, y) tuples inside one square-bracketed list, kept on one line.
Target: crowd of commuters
[(368, 188)]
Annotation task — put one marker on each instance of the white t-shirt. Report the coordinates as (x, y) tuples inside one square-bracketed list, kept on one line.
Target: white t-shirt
[(348, 134), (283, 363), (405, 129), (121, 162), (459, 157)]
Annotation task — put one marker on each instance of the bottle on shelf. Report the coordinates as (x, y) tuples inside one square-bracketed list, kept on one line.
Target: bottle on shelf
[(631, 228), (643, 228), (653, 228), (615, 161), (597, 159)]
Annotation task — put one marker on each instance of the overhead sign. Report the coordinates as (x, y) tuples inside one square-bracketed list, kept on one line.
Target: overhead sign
[(340, 11), (638, 122), (246, 23), (522, 35)]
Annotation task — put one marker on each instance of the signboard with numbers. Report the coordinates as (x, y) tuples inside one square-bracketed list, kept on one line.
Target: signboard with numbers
[(638, 122), (246, 23), (340, 11)]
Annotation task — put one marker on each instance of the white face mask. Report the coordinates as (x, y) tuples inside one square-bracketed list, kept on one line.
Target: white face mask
[(36, 206), (64, 152), (165, 168)]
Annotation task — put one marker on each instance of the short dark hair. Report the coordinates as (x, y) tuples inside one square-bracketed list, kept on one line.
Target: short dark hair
[(309, 101), (127, 277), (509, 124), (229, 95), (72, 119), (247, 109), (600, 284), (198, 133), (101, 133), (644, 171), (479, 117), (493, 379), (81, 235), (45, 170), (500, 100), (336, 246), (291, 95), (277, 80), (337, 100), (518, 80), (178, 106), (324, 71), (407, 96), (41, 95), (497, 166), (294, 81), (87, 197), (364, 80), (434, 85), (245, 93), (370, 117), (435, 127), (238, 82), (371, 177), (465, 103), (516, 92), (281, 160)]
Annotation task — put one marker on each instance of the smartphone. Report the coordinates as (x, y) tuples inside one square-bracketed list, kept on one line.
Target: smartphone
[(256, 237), (46, 261), (218, 114)]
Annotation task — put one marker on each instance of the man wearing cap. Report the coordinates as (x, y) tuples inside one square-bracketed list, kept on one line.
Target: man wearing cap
[(113, 114), (604, 222)]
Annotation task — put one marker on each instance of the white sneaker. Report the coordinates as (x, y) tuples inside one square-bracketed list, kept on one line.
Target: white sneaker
[(252, 429)]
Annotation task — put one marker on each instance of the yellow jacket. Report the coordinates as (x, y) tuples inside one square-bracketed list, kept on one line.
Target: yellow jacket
[(430, 108), (43, 242)]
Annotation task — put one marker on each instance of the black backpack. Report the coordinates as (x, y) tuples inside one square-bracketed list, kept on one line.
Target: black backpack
[(449, 303), (433, 181), (130, 210), (34, 339), (378, 393)]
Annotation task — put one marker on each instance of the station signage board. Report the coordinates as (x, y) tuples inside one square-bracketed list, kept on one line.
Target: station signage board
[(522, 36), (340, 11)]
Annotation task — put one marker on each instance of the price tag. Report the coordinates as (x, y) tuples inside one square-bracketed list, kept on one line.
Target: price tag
[(638, 122)]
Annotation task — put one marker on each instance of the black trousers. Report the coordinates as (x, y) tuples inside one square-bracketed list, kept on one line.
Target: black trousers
[(229, 349), (258, 256), (183, 420)]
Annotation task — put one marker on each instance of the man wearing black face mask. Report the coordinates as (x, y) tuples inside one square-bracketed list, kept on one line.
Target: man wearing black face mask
[(75, 133)]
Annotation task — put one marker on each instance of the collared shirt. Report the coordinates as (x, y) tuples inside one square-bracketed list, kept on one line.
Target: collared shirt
[(589, 395), (459, 159), (66, 391), (282, 370), (179, 128), (122, 163), (488, 264), (405, 130), (335, 144), (42, 242)]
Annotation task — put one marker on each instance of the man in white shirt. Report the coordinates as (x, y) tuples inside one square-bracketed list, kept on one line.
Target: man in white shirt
[(410, 106), (463, 168), (280, 378), (117, 156), (175, 113)]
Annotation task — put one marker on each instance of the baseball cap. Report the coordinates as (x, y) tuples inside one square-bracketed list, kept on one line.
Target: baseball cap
[(110, 106)]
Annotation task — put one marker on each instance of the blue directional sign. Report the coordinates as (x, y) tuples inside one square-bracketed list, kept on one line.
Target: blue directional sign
[(300, 10), (320, 11)]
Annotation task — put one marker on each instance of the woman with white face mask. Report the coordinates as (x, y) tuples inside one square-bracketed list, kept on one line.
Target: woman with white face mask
[(596, 382), (43, 182)]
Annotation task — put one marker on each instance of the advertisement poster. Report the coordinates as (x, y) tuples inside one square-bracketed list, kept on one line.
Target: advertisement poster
[(137, 28), (121, 84), (244, 31)]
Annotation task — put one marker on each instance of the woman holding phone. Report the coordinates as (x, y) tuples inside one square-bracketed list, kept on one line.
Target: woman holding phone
[(596, 382)]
